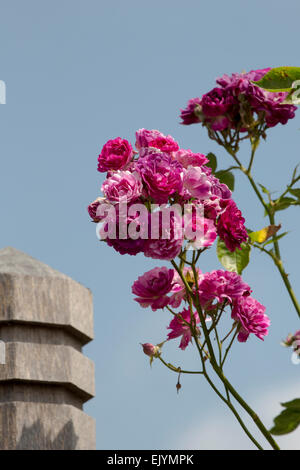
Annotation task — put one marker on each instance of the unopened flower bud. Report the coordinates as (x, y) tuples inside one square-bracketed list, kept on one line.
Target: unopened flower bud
[(150, 350)]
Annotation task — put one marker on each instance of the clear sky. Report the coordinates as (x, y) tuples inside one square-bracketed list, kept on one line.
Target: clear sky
[(81, 72)]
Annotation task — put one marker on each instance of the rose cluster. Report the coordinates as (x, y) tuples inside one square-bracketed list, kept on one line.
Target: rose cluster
[(237, 104), (157, 178), (162, 287)]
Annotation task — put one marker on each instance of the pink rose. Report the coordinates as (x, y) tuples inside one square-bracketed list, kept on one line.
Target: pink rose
[(92, 209), (156, 139), (197, 183), (122, 186), (188, 158)]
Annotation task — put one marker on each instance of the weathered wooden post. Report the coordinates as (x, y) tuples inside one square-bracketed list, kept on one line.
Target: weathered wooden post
[(45, 319)]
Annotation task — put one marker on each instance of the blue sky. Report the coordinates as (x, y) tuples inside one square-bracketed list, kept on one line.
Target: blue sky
[(81, 72)]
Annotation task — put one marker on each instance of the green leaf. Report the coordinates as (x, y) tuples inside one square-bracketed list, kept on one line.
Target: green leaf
[(284, 203), (212, 163), (295, 192), (236, 261), (279, 79), (226, 177), (288, 420), (292, 404)]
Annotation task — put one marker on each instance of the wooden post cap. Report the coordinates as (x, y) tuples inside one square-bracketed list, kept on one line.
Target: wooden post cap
[(45, 319)]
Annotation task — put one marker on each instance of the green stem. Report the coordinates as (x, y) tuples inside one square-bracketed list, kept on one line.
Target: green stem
[(278, 263), (218, 370), (226, 401), (234, 411), (277, 258), (178, 369), (229, 347)]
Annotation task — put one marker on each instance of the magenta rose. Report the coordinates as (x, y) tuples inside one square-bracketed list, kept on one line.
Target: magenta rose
[(152, 288), (188, 114), (250, 315), (212, 208), (178, 290), (161, 175), (217, 102), (118, 227), (221, 286), (165, 234), (116, 154), (268, 105), (231, 228), (179, 328)]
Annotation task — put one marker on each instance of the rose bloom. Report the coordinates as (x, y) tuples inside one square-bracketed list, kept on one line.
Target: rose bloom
[(116, 154), (162, 249), (217, 102), (205, 233), (179, 328), (221, 286), (161, 175), (219, 123), (197, 183), (92, 209), (217, 189), (178, 290), (188, 115), (250, 315), (122, 186), (261, 101), (154, 138), (231, 227), (152, 288), (119, 221), (165, 234), (212, 208), (188, 158)]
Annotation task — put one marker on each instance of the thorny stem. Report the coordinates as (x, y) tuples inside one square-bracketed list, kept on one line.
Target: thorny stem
[(270, 212)]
